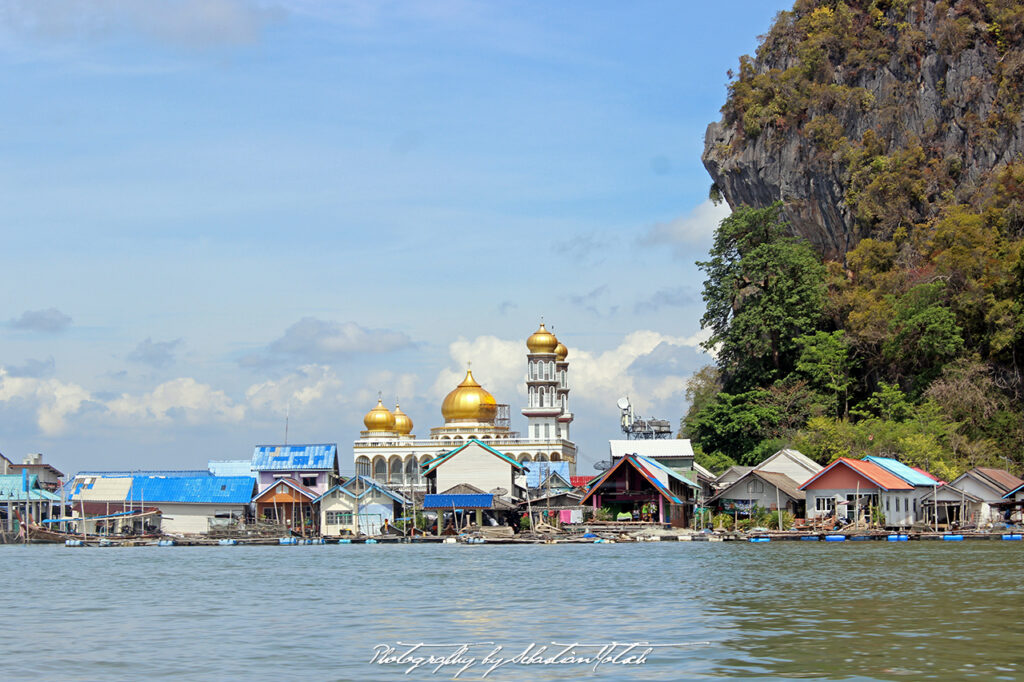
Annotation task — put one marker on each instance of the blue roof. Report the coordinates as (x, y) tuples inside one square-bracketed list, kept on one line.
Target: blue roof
[(294, 457), (68, 488), (471, 501), (199, 489), (901, 470), (538, 472), (370, 484)]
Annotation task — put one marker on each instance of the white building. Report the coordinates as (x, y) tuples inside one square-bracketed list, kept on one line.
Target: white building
[(390, 453)]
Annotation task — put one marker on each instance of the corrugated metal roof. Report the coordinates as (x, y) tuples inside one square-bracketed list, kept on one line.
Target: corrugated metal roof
[(869, 470), (11, 488), (537, 472), (662, 447), (319, 457), (442, 501), (898, 468), (1001, 477), (672, 473), (193, 490), (91, 488), (580, 481)]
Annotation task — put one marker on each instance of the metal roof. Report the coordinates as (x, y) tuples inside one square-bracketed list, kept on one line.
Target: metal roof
[(294, 457), (661, 447), (580, 481), (230, 467), (672, 473), (881, 477), (898, 468), (647, 468), (193, 490), (537, 472), (11, 488), (458, 501), (1000, 477)]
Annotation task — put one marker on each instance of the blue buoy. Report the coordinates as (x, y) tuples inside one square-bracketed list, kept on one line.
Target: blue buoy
[(811, 538), (227, 542), (165, 543), (371, 541), (74, 543), (953, 538), (1013, 536), (288, 541), (760, 539), (835, 538), (345, 541), (860, 537)]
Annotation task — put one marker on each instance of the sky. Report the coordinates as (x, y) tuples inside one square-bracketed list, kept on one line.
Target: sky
[(215, 213)]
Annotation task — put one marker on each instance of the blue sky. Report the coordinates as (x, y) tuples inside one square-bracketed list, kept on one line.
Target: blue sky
[(213, 210)]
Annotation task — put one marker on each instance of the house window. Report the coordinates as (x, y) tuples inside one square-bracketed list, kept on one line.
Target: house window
[(282, 489), (309, 481), (906, 504), (335, 518), (547, 431), (824, 504), (755, 486), (887, 504)]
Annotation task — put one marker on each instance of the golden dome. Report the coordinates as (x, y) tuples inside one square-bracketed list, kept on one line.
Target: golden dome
[(561, 352), (403, 425), (379, 418), (469, 402), (542, 341)]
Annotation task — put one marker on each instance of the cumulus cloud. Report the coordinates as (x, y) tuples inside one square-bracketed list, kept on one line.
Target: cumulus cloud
[(498, 365), (181, 23), (668, 297), (313, 341), (308, 384), (183, 399), (32, 368), (694, 230), (50, 321), (155, 353), (52, 401)]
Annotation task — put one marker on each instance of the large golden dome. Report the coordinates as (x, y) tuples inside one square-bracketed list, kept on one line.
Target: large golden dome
[(379, 418), (542, 341), (469, 402), (561, 352), (403, 424)]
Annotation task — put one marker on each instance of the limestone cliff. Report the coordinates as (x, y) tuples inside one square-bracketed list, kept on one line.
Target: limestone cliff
[(866, 116)]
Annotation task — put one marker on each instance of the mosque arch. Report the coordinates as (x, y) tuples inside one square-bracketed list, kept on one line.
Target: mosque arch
[(380, 468), (542, 457), (363, 467), (555, 457), (394, 469), (412, 469), (525, 457)]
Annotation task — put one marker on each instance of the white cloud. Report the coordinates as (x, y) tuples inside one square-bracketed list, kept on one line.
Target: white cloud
[(52, 400), (307, 385), (498, 365), (315, 341), (694, 230), (51, 321), (183, 399)]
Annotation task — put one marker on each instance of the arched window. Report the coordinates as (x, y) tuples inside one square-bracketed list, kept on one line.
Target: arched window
[(362, 465), (542, 457), (555, 457), (412, 469), (380, 469), (525, 457), (395, 469)]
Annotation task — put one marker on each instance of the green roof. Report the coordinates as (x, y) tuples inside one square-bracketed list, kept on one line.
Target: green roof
[(11, 489)]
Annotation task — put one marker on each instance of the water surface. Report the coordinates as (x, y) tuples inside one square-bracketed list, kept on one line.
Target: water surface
[(908, 611)]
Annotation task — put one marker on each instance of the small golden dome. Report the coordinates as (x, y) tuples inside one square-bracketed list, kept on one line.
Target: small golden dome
[(379, 418), (403, 424), (542, 341), (561, 352), (469, 402)]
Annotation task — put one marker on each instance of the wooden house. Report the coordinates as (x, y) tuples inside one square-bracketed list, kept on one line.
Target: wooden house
[(989, 485), (289, 503), (359, 505), (635, 481)]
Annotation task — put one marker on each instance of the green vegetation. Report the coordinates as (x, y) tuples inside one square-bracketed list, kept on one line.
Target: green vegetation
[(910, 342), (919, 363)]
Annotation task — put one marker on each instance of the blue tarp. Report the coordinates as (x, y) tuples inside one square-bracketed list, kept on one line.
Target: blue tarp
[(537, 472), (472, 501), (197, 490)]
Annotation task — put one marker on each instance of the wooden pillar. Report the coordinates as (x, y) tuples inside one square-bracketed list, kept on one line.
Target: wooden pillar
[(661, 509), (480, 518)]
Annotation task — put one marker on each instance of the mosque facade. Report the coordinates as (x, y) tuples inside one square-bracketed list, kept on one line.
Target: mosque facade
[(390, 453)]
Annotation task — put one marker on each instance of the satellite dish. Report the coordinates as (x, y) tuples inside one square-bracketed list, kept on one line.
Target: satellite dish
[(500, 492), (623, 403), (603, 465)]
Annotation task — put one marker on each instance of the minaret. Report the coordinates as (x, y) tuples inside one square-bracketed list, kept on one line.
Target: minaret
[(562, 392), (544, 402)]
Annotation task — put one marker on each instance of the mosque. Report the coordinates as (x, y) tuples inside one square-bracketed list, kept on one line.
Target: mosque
[(389, 452)]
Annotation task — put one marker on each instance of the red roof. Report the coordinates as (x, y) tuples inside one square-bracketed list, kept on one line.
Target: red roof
[(869, 470), (580, 481)]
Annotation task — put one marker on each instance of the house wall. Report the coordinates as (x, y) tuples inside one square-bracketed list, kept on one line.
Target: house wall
[(728, 478), (972, 486), (766, 498), (372, 508), (476, 466), (185, 519), (268, 478)]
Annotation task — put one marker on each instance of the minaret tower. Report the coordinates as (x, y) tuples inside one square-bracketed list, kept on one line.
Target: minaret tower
[(547, 391)]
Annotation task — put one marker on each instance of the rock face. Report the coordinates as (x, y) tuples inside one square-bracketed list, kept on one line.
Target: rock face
[(862, 121)]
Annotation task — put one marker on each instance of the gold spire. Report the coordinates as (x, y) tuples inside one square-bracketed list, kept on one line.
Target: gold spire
[(542, 341), (403, 424), (469, 402), (379, 418)]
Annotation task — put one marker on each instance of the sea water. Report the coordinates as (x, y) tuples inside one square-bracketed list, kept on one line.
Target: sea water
[(780, 610)]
